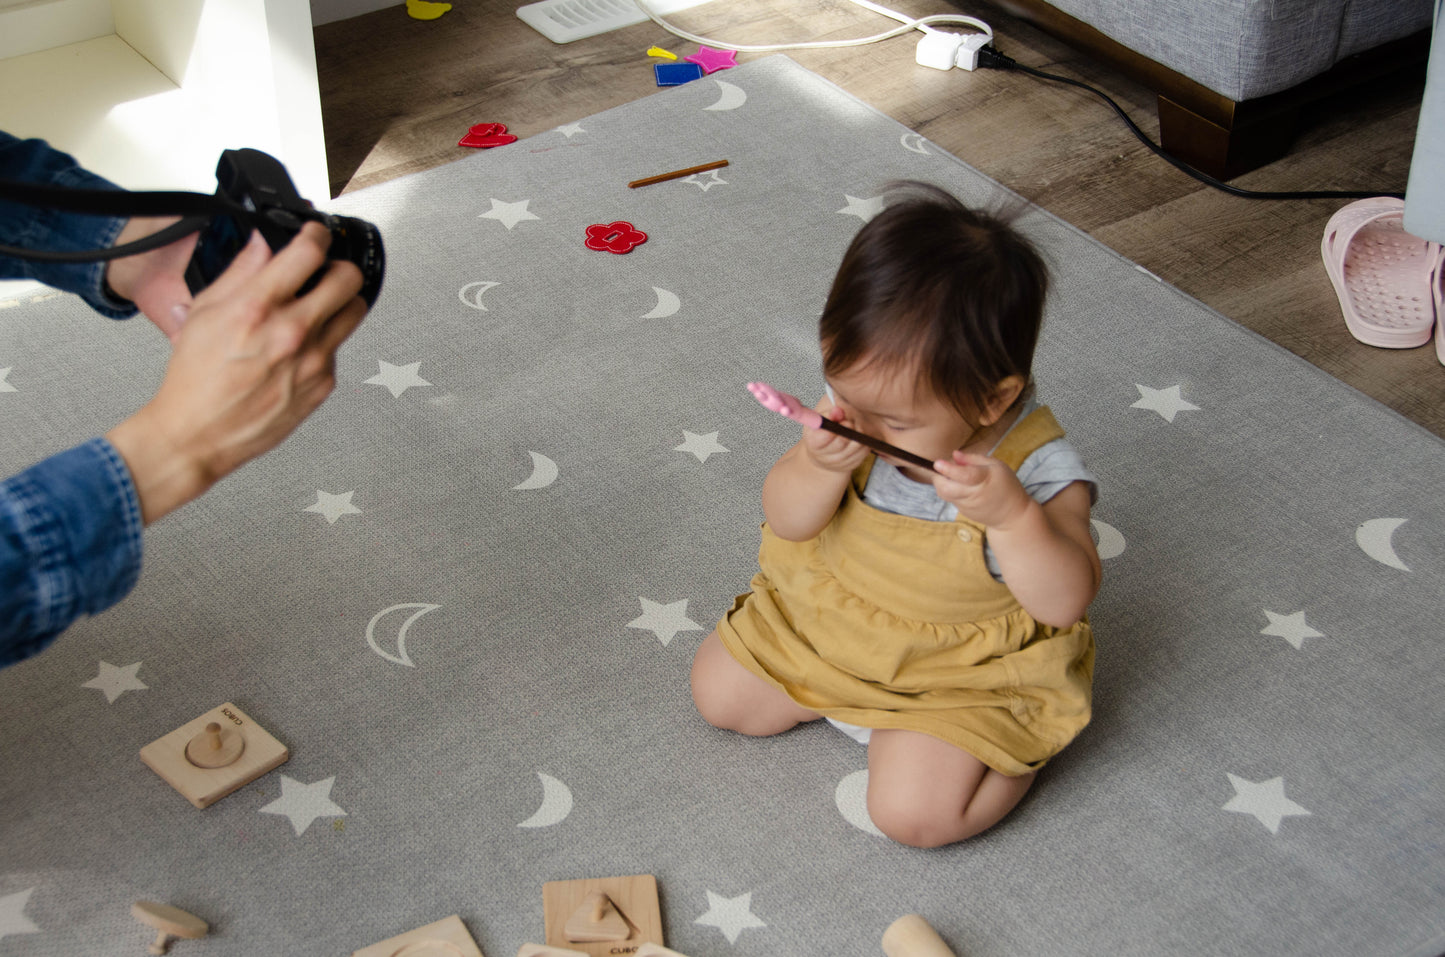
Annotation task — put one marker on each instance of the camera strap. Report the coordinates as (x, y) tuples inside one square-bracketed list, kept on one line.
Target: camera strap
[(194, 208)]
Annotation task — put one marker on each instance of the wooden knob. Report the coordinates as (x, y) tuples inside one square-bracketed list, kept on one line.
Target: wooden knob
[(910, 936), (171, 922), (215, 747)]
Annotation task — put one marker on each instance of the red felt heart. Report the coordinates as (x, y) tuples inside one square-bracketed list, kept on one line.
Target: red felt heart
[(486, 135)]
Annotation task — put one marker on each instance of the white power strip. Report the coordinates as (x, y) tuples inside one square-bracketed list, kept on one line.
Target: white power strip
[(563, 21)]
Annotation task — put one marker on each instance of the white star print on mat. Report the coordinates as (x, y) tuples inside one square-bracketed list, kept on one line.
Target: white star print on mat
[(304, 803), (664, 621), (5, 386), (706, 184), (731, 915), (570, 129), (116, 681), (864, 209), (12, 915), (1265, 800), (1291, 628), (700, 445), (1164, 401), (333, 506), (397, 379), (509, 214)]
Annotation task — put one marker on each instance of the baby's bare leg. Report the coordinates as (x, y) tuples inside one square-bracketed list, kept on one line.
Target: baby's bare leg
[(732, 697), (925, 792)]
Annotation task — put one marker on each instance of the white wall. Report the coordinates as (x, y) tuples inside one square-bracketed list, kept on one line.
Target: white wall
[(325, 11)]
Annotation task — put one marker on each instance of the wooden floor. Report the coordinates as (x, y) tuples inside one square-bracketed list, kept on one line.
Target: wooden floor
[(397, 93)]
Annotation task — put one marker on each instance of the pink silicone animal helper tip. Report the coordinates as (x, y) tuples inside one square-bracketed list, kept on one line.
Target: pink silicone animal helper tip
[(785, 404)]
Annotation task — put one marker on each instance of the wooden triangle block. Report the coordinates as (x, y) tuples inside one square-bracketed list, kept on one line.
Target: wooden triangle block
[(598, 919)]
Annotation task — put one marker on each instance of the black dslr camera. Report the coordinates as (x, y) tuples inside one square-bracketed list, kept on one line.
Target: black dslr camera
[(258, 182)]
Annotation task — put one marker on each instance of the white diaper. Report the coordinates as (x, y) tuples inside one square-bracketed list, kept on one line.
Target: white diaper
[(859, 734)]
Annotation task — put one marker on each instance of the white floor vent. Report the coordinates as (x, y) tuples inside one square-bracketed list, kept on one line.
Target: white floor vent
[(563, 21)]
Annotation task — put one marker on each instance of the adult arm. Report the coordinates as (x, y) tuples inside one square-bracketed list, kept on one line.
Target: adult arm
[(249, 364), (34, 227)]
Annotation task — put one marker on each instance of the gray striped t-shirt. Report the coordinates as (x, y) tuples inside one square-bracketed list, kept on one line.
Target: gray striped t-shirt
[(1044, 474)]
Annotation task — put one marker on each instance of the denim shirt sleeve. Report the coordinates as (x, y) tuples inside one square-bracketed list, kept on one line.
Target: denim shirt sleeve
[(33, 227), (70, 544)]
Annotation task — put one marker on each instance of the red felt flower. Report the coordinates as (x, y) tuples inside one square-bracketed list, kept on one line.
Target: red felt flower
[(619, 237)]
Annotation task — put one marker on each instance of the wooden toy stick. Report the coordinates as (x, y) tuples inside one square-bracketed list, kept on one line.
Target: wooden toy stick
[(910, 936), (677, 174), (788, 405)]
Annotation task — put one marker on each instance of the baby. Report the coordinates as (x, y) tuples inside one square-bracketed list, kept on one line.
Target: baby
[(937, 615)]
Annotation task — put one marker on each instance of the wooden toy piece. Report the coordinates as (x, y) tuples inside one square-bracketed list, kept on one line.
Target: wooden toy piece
[(632, 900), (656, 950), (215, 746), (542, 950), (198, 762), (910, 936), (597, 919), (447, 937), (169, 922)]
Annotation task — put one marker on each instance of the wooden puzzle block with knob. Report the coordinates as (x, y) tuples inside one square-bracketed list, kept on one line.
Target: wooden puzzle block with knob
[(602, 917), (215, 754)]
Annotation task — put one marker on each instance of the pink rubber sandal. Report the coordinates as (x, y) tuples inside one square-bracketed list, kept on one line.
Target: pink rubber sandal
[(1437, 289), (1381, 273)]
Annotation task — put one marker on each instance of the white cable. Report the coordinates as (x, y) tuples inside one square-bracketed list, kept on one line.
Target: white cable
[(909, 24)]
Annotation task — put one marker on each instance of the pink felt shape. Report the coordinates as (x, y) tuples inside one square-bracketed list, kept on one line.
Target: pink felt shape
[(713, 60)]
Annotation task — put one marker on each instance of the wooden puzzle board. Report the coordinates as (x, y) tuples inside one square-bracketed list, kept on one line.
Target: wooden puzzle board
[(447, 937), (203, 787)]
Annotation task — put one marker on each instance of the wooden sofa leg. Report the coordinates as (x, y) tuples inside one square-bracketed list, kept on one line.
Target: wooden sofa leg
[(1245, 140)]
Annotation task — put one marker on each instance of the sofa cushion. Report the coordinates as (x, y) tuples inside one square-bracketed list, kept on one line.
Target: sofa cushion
[(1244, 49)]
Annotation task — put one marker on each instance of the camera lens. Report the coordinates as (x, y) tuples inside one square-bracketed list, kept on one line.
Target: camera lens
[(358, 241)]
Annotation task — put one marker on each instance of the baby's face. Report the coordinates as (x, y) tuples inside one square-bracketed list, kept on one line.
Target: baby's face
[(890, 405)]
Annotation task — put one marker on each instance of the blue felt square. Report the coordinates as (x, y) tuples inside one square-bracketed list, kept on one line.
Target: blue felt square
[(676, 74)]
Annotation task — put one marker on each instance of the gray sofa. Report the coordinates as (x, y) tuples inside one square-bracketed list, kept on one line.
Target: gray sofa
[(1232, 74)]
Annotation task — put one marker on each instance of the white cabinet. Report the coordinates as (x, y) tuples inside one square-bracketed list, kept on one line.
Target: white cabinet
[(149, 92)]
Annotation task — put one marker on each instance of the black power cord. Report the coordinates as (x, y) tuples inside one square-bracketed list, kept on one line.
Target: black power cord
[(989, 57)]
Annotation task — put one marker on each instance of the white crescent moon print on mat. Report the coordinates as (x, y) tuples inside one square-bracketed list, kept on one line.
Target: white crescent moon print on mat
[(851, 796), (556, 803), (667, 305), (474, 299), (544, 473), (914, 142), (732, 97), (1111, 543), (1376, 538), (401, 657)]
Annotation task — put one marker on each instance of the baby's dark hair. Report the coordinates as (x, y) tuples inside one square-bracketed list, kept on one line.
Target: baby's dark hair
[(930, 281)]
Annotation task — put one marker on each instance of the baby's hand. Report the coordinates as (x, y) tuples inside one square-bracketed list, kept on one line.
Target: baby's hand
[(982, 488), (831, 451)]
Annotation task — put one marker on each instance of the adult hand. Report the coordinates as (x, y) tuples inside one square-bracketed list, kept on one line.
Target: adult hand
[(156, 280), (250, 362)]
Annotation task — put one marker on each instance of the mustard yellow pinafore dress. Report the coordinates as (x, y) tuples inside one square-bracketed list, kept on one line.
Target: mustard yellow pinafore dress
[(889, 621)]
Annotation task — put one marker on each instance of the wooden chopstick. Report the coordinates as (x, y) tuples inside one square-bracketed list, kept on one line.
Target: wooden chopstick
[(677, 174)]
